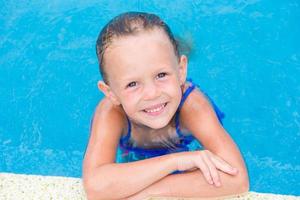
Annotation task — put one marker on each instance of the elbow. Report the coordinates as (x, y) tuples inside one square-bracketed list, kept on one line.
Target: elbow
[(243, 184), (243, 187), (100, 190), (95, 191), (91, 195), (90, 190)]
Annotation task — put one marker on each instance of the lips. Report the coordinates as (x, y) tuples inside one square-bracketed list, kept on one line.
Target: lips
[(156, 109)]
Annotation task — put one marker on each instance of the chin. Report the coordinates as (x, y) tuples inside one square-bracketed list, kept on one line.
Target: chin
[(159, 123), (157, 126)]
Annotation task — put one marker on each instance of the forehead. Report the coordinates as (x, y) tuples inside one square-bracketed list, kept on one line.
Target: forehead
[(145, 50)]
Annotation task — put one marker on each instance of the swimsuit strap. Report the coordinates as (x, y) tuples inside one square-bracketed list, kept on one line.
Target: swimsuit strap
[(184, 96), (217, 110), (126, 138), (186, 93)]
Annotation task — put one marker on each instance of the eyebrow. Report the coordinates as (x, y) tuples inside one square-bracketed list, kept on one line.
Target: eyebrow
[(132, 78), (163, 69)]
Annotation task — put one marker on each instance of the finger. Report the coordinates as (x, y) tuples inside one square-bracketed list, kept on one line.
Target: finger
[(223, 165), (192, 169), (213, 170), (204, 169)]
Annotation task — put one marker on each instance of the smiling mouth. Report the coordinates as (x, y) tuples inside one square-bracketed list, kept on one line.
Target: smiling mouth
[(155, 110)]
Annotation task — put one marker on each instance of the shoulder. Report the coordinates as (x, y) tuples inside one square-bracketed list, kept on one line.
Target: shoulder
[(107, 108), (199, 118), (109, 115), (197, 109), (106, 130), (196, 101)]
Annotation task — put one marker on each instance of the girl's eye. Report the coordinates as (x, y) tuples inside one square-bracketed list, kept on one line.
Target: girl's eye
[(131, 84), (161, 75)]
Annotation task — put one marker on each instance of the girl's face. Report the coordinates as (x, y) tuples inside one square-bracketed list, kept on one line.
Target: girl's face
[(145, 76)]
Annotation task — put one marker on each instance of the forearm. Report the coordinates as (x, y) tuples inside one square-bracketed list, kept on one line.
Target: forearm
[(193, 184), (115, 181)]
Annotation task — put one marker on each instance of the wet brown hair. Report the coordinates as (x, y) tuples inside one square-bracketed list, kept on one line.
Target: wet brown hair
[(125, 24)]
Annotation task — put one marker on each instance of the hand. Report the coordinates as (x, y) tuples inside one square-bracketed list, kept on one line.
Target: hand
[(207, 162)]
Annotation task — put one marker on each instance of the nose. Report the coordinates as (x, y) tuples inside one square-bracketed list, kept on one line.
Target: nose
[(151, 91)]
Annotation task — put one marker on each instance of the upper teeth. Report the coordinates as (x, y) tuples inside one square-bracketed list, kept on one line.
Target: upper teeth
[(156, 109)]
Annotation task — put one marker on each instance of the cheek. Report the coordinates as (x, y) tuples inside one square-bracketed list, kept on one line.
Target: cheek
[(178, 95), (175, 92), (130, 103), (128, 108), (176, 87)]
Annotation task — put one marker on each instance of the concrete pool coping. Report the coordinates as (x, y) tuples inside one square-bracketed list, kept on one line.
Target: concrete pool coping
[(22, 186)]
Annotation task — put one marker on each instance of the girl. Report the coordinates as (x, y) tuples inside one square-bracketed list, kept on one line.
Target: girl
[(154, 120)]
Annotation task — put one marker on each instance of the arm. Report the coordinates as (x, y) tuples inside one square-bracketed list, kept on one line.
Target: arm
[(190, 184), (115, 181), (104, 179), (206, 128)]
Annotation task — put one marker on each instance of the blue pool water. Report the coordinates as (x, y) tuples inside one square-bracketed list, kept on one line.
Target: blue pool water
[(245, 55)]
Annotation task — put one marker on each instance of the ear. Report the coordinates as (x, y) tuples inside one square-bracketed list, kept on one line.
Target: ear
[(182, 69), (103, 87)]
